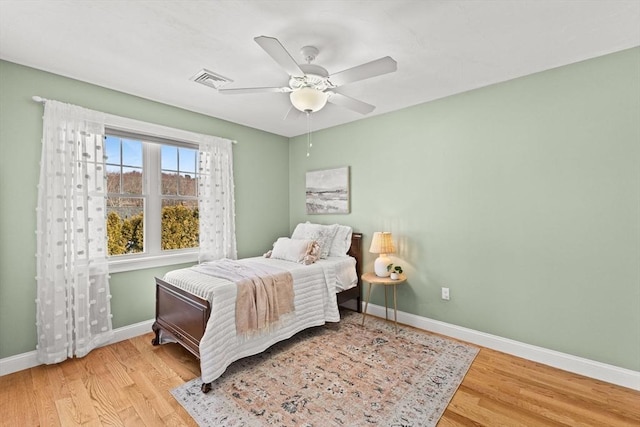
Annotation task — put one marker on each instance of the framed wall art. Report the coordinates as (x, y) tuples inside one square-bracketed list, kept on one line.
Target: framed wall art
[(327, 191)]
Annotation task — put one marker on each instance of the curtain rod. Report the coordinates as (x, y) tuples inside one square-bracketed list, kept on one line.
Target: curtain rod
[(42, 100)]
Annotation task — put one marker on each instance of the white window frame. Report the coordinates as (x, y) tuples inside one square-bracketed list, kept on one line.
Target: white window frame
[(149, 259)]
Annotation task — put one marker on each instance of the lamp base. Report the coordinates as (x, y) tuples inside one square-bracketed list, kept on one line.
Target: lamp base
[(380, 266)]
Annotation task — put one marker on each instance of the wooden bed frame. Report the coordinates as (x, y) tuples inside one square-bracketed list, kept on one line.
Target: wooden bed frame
[(183, 316)]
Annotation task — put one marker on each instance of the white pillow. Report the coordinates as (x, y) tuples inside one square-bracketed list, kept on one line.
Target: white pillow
[(322, 234), (342, 241), (295, 250)]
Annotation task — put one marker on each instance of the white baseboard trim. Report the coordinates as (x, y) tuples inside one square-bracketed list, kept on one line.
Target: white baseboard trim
[(19, 362), (567, 362)]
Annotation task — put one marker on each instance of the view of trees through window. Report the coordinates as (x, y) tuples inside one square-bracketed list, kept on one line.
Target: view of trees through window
[(172, 197)]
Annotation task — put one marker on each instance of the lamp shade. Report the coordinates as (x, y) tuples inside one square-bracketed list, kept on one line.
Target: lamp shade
[(308, 100), (382, 244)]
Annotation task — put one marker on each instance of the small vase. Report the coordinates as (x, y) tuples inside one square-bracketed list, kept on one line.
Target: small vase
[(395, 276)]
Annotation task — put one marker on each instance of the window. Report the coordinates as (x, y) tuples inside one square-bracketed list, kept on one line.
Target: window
[(152, 201)]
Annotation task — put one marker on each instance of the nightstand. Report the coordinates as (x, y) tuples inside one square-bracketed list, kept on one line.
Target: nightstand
[(372, 279)]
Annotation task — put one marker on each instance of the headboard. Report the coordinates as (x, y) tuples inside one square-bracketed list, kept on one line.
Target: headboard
[(351, 298), (356, 251)]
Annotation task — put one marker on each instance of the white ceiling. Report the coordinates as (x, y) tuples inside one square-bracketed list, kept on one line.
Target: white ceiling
[(152, 48)]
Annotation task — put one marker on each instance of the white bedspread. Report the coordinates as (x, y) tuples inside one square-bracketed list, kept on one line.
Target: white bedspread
[(315, 303)]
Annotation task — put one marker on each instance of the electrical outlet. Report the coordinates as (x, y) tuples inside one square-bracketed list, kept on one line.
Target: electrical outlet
[(445, 294)]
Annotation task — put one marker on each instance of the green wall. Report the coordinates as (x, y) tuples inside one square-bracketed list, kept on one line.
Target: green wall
[(523, 198), (257, 154)]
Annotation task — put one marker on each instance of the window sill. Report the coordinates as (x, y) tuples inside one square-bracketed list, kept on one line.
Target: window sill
[(142, 262)]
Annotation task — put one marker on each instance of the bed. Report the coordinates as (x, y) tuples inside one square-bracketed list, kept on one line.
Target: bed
[(200, 316)]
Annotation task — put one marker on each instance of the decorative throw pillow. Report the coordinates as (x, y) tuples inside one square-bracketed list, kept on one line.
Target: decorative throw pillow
[(299, 231), (342, 241), (323, 234), (295, 250)]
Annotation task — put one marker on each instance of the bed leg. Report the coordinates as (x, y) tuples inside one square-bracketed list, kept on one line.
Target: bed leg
[(156, 339), (206, 387)]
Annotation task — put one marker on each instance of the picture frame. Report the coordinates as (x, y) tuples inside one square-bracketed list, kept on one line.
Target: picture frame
[(327, 191)]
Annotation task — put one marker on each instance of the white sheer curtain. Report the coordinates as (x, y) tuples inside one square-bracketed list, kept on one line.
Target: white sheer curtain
[(73, 302), (216, 200)]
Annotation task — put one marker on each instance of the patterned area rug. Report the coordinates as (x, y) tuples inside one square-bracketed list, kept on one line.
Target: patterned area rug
[(337, 375)]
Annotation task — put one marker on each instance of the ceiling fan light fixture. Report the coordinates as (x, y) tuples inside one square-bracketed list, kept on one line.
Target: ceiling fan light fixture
[(308, 100)]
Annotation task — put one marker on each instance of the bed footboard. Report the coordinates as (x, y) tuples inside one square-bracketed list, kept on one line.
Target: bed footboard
[(180, 317)]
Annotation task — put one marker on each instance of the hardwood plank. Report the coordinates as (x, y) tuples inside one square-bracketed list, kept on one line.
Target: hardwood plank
[(115, 391), (453, 419), (143, 407), (141, 343), (179, 361), (117, 372), (152, 394), (162, 370), (83, 405), (16, 399), (57, 381), (105, 406), (130, 417), (124, 351), (46, 409), (97, 364), (67, 412), (174, 420), (41, 389)]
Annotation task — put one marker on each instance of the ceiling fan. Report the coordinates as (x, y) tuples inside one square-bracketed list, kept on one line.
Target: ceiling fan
[(310, 85)]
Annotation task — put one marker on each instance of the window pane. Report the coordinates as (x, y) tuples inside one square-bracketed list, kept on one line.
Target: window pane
[(169, 183), (113, 179), (112, 149), (188, 185), (179, 224), (125, 225), (132, 180), (169, 158), (131, 153), (187, 160)]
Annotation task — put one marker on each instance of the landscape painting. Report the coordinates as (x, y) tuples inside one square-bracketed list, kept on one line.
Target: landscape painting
[(328, 191)]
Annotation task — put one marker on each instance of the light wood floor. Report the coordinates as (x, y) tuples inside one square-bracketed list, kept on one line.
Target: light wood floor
[(128, 383)]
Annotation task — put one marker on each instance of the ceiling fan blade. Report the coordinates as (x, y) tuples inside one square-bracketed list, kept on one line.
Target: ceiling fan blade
[(241, 90), (350, 103), (275, 49), (361, 72)]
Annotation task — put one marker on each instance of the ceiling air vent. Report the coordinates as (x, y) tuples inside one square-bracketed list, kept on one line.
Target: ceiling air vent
[(210, 79)]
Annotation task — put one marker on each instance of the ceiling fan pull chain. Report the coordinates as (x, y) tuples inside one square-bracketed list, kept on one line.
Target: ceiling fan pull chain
[(309, 144)]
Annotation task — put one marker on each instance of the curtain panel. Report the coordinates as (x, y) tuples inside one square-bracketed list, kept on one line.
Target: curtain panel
[(73, 296), (216, 201)]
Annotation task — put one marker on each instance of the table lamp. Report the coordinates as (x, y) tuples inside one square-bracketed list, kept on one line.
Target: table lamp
[(382, 244)]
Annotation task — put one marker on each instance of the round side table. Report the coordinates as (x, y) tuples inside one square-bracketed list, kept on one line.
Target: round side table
[(372, 279)]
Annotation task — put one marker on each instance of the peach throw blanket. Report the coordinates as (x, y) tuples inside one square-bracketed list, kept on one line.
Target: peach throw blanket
[(264, 294)]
